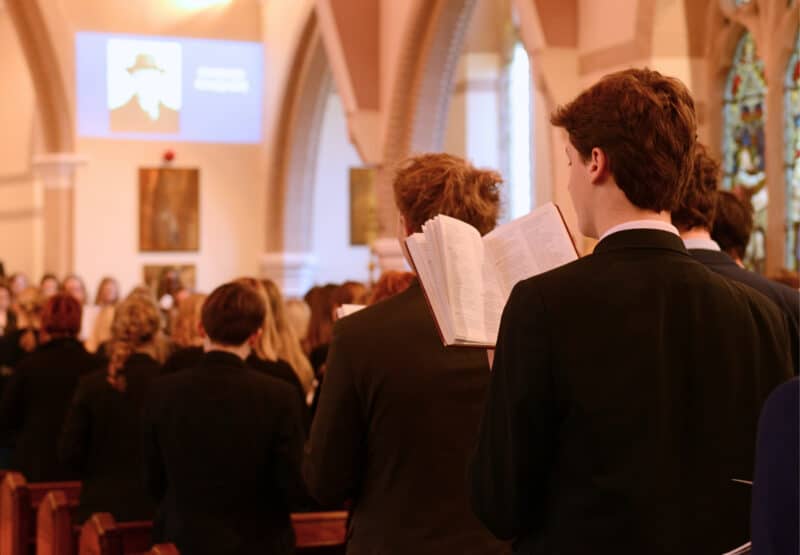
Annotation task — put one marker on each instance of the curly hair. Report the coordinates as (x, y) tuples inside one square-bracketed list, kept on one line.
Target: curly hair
[(136, 323), (436, 183)]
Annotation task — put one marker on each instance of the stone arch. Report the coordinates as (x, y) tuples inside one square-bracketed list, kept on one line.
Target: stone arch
[(38, 45), (293, 173)]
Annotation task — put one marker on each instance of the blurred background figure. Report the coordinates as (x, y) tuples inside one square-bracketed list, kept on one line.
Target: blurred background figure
[(49, 285), (390, 284)]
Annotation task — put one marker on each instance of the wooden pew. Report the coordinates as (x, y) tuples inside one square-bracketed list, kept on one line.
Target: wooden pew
[(102, 535), (55, 533), (320, 533), (19, 502)]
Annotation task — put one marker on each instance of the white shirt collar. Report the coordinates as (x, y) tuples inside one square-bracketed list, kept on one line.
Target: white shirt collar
[(642, 224), (702, 244)]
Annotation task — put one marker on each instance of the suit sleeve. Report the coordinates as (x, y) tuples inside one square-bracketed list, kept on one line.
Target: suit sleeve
[(73, 445), (155, 475), (509, 470), (12, 405), (334, 453), (287, 450)]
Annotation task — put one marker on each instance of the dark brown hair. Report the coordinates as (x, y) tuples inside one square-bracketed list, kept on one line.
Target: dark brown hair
[(232, 313), (432, 184), (61, 316), (698, 204), (645, 124), (733, 224), (320, 326)]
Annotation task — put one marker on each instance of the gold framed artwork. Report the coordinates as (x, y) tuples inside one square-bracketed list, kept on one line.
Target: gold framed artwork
[(169, 209), (363, 206), (154, 274)]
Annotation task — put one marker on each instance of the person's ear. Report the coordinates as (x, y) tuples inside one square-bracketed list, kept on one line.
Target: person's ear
[(598, 166), (255, 338), (201, 331), (404, 227)]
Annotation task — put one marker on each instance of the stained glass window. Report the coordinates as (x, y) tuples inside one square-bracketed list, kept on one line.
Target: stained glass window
[(743, 142), (792, 156)]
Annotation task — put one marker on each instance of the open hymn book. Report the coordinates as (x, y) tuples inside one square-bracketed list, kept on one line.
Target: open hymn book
[(467, 278)]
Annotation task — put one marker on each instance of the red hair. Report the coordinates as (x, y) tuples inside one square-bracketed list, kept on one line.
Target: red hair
[(61, 316)]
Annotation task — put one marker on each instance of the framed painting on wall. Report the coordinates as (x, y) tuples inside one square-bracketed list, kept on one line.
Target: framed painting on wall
[(169, 209), (168, 278), (363, 206)]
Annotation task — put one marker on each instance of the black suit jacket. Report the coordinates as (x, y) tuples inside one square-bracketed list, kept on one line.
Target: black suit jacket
[(34, 406), (101, 441), (787, 299), (223, 445), (625, 393), (397, 418)]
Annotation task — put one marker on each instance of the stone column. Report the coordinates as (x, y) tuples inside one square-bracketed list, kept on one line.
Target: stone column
[(292, 271), (55, 177)]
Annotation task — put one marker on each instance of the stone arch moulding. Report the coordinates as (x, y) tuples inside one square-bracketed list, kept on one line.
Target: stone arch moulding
[(419, 102), (289, 259), (51, 95)]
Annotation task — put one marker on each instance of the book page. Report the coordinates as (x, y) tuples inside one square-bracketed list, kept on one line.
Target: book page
[(348, 309), (461, 249), (529, 246), (421, 255)]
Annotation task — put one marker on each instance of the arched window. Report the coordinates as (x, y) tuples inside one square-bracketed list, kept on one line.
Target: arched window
[(792, 157), (743, 141), (520, 102)]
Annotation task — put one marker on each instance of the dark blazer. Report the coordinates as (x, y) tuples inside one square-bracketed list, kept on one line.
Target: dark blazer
[(283, 371), (102, 442), (397, 418), (223, 445), (787, 299), (183, 359), (775, 514), (34, 406), (625, 394)]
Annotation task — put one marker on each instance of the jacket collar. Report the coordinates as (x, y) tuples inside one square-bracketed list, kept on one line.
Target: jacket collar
[(221, 358), (713, 258), (641, 239)]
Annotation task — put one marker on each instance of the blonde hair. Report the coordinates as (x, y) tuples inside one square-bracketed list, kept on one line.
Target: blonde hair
[(287, 343), (265, 349), (136, 324), (185, 328)]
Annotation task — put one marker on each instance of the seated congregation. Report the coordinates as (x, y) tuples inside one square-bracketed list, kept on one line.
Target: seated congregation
[(619, 412)]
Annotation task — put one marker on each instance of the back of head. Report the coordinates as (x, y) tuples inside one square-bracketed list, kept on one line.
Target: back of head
[(232, 313), (185, 330), (136, 324), (699, 202), (645, 124), (61, 316), (298, 315), (733, 224), (350, 292), (321, 300), (431, 184)]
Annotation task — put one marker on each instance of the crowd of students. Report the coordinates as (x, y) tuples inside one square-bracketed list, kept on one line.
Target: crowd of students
[(623, 398)]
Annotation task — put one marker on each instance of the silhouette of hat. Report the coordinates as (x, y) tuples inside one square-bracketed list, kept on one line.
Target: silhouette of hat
[(144, 61)]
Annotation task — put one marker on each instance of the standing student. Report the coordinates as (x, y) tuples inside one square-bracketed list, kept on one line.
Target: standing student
[(101, 440), (223, 443), (399, 412), (704, 207), (36, 399), (626, 385)]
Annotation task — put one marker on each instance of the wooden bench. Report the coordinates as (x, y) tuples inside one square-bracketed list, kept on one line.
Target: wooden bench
[(102, 535), (320, 533), (316, 533), (19, 503)]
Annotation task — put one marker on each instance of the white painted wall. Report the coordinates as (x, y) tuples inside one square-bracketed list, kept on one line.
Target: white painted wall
[(20, 215), (337, 261)]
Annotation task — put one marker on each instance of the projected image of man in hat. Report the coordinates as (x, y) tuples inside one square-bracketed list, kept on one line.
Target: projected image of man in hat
[(145, 112)]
